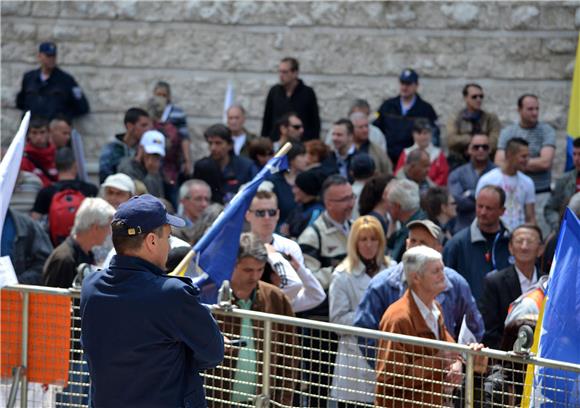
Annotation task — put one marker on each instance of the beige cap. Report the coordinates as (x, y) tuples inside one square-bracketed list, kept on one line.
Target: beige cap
[(433, 228)]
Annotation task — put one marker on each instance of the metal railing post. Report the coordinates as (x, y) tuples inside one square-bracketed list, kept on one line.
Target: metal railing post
[(24, 352), (266, 361), (469, 381)]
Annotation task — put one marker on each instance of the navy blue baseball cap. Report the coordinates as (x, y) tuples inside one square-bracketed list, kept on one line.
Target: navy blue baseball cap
[(409, 76), (142, 214), (48, 48)]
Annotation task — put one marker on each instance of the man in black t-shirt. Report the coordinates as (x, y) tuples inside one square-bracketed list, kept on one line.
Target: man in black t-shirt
[(67, 173)]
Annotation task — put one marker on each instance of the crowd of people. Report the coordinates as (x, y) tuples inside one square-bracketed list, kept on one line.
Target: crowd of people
[(384, 223)]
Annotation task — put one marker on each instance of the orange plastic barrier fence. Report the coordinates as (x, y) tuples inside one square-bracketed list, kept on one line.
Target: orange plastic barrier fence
[(49, 330)]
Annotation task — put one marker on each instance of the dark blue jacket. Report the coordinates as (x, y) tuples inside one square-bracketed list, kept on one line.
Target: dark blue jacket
[(466, 253), (224, 184), (398, 129), (59, 94), (146, 337)]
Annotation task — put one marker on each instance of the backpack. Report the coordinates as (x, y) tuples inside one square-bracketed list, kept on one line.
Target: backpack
[(61, 215)]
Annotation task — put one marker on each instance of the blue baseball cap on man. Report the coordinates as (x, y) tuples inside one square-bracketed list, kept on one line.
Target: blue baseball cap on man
[(48, 48), (409, 76), (142, 214)]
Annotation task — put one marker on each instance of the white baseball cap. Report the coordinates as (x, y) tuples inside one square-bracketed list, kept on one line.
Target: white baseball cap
[(153, 142), (121, 182)]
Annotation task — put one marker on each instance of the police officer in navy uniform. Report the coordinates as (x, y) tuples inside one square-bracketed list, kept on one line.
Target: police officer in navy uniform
[(145, 335), (49, 91)]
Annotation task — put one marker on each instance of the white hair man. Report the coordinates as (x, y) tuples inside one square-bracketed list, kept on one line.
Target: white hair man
[(91, 227), (403, 205), (418, 314)]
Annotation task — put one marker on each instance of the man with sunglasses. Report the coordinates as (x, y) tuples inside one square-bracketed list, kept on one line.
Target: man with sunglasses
[(263, 217), (290, 129), (470, 120), (463, 180)]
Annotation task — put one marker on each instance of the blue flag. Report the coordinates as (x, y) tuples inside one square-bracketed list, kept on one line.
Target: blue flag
[(560, 331), (217, 250)]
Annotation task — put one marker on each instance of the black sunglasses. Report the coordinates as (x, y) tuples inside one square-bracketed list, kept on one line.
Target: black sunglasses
[(262, 213), (297, 126), (478, 146), (477, 96)]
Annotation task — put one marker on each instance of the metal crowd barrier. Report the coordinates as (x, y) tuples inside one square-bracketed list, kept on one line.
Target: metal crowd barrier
[(273, 361)]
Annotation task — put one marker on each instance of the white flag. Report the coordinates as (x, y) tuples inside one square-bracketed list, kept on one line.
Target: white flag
[(9, 168), (229, 98)]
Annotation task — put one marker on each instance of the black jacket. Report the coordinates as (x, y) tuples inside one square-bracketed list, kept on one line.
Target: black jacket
[(224, 184), (302, 101), (398, 129), (500, 289), (59, 94)]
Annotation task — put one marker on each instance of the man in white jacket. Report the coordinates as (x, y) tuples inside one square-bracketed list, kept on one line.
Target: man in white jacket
[(263, 216)]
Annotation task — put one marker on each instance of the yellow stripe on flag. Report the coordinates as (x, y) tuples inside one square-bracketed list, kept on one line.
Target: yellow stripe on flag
[(529, 382), (573, 128)]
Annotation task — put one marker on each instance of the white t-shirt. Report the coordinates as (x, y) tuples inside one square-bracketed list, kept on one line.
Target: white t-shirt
[(519, 191)]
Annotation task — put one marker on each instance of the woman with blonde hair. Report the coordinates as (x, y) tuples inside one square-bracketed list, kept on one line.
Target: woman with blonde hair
[(353, 378)]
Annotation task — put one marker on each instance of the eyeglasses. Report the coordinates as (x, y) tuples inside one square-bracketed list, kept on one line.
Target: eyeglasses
[(477, 96), (344, 199), (480, 146), (262, 213), (297, 126)]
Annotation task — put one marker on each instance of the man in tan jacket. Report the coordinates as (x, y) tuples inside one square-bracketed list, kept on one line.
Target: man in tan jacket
[(470, 120)]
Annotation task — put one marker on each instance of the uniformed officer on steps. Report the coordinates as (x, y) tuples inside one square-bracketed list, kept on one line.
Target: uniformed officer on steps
[(145, 335)]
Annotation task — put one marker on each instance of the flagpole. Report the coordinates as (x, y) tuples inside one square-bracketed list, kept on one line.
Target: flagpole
[(182, 266)]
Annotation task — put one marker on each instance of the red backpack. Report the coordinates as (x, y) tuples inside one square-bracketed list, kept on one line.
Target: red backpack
[(61, 215)]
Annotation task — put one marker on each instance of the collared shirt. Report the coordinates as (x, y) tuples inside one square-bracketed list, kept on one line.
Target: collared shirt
[(342, 162), (239, 141), (344, 228), (430, 315), (526, 283)]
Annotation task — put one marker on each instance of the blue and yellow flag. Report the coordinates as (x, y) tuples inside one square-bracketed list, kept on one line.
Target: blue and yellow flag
[(559, 330), (217, 250), (573, 128)]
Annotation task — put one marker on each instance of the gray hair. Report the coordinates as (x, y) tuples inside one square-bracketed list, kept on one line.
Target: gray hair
[(93, 211), (574, 204), (357, 116), (252, 247), (185, 188), (359, 104), (415, 259), (239, 106), (405, 193), (206, 219)]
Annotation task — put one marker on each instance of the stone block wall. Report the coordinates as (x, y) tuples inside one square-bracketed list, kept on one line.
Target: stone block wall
[(118, 50)]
